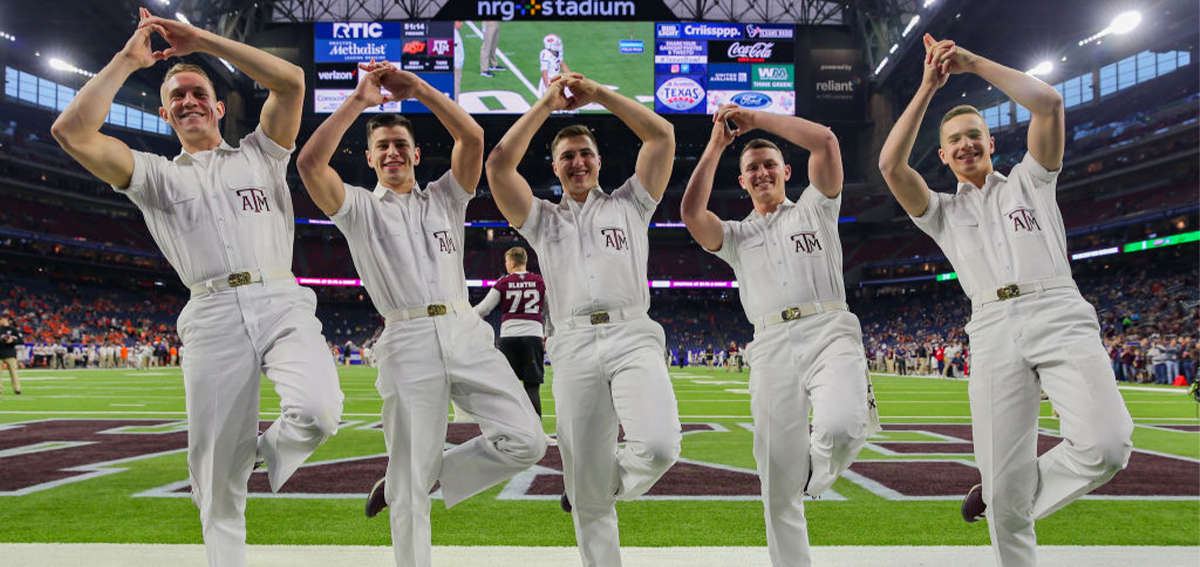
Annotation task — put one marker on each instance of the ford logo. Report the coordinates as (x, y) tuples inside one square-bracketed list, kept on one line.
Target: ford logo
[(681, 93), (751, 100)]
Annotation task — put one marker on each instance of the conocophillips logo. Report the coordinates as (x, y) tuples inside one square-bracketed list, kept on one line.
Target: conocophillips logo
[(680, 93), (751, 100), (509, 9)]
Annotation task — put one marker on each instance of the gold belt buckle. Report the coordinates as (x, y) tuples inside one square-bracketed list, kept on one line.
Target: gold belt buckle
[(239, 279), (1008, 292), (790, 313), (435, 309), (600, 318)]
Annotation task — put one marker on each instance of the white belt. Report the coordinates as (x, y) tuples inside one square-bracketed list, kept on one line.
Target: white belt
[(599, 318), (431, 310), (237, 279), (793, 313), (1011, 291)]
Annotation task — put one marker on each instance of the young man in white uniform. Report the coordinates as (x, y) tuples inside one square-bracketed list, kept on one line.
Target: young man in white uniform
[(606, 352), (550, 62), (222, 216), (407, 242), (807, 351), (1030, 328)]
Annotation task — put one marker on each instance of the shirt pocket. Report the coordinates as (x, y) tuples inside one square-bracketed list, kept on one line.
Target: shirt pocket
[(967, 235), (249, 193), (752, 253), (184, 208)]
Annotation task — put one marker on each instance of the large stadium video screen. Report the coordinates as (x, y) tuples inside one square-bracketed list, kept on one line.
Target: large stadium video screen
[(673, 67), (699, 66)]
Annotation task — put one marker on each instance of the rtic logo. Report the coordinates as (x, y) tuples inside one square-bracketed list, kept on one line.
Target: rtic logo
[(445, 242), (806, 243), (1023, 220), (253, 200), (759, 50), (614, 238), (440, 47), (357, 30), (45, 455)]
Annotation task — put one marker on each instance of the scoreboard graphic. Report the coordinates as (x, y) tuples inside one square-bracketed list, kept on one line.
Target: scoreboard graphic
[(424, 48), (699, 66)]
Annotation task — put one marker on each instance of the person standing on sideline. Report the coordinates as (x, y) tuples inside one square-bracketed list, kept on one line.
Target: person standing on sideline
[(593, 250), (222, 216), (1030, 328), (807, 352), (487, 51), (10, 337), (407, 245)]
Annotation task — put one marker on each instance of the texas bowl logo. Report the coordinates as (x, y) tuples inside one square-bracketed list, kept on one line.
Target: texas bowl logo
[(680, 93), (751, 100)]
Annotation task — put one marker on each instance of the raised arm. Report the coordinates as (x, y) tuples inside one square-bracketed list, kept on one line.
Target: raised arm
[(657, 156), (1047, 125), (282, 111), (321, 181), (906, 184), (466, 159), (702, 223), (825, 159), (488, 303), (513, 195), (77, 129)]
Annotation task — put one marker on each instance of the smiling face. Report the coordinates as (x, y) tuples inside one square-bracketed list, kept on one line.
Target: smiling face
[(967, 147), (577, 165), (191, 107), (393, 154), (763, 175)]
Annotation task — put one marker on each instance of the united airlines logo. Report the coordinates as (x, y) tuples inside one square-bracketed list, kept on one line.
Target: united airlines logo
[(445, 242), (253, 200), (614, 238), (806, 243), (1023, 220)]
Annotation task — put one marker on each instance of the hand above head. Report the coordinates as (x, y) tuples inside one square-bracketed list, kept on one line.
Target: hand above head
[(369, 91), (583, 90), (932, 74), (555, 95), (184, 38), (725, 128), (138, 49), (950, 58), (402, 84)]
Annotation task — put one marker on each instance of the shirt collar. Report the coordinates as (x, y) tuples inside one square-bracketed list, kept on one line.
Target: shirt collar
[(787, 203), (992, 178), (381, 190), (185, 157), (565, 200)]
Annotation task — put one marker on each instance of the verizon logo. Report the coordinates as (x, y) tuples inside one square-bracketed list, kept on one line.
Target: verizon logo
[(335, 75)]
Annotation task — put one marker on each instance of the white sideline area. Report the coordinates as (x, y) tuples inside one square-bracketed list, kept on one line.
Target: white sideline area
[(147, 555)]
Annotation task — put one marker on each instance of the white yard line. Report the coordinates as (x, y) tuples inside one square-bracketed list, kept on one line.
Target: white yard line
[(145, 555)]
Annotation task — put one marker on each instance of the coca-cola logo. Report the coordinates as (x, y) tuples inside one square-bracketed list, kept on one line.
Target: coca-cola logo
[(758, 50)]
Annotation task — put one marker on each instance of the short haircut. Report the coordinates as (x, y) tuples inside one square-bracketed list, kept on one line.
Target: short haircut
[(517, 255), (756, 144), (188, 68), (957, 111), (387, 121), (571, 132)]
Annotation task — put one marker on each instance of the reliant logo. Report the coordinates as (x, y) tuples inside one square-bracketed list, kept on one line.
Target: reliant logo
[(832, 86), (357, 30), (751, 100), (335, 75), (680, 93), (759, 50), (755, 32), (509, 9)]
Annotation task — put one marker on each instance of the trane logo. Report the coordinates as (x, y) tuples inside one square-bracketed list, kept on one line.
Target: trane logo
[(773, 73), (335, 75), (357, 30), (760, 50), (832, 86)]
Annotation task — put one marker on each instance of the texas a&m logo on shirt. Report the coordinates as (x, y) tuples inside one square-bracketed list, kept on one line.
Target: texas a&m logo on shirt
[(253, 200), (445, 241), (806, 243), (1023, 220), (614, 239)]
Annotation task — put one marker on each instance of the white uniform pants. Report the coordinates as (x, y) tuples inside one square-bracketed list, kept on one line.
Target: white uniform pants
[(605, 376), (812, 363), (232, 338), (1046, 341), (423, 364)]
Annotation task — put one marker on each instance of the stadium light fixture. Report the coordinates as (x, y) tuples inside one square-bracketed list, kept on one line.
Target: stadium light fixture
[(179, 16), (227, 65), (1124, 23), (911, 24), (8, 36), (927, 3), (881, 65), (1043, 68), (895, 46), (61, 65)]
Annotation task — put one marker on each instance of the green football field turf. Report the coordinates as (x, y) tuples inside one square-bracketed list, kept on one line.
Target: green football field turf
[(587, 48), (105, 508)]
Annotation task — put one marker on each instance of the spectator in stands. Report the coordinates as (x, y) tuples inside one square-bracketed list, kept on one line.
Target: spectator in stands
[(10, 337)]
